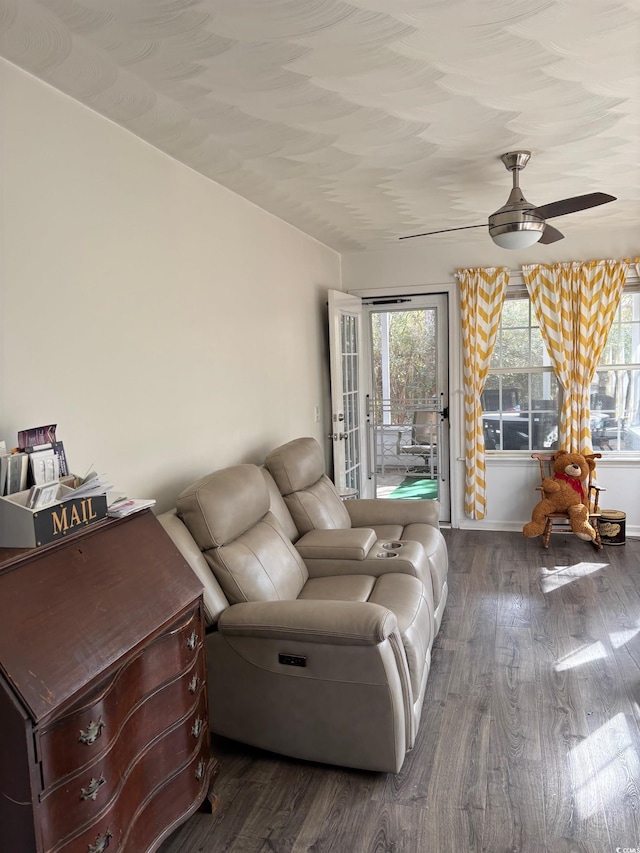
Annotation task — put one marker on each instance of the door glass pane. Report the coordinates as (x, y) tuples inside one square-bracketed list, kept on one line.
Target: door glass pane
[(351, 425), (406, 402)]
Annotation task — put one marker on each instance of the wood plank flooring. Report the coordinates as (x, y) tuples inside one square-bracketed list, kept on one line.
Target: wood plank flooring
[(529, 740)]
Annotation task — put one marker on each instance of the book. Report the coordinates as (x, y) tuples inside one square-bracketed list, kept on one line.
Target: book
[(4, 467), (45, 466), (17, 472), (58, 449), (36, 436), (58, 446), (42, 495)]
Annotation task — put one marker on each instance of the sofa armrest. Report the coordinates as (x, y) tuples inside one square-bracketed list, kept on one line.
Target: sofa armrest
[(369, 512), (343, 544), (215, 600), (345, 623)]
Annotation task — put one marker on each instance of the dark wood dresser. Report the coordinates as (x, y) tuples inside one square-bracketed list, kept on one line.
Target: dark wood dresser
[(104, 735)]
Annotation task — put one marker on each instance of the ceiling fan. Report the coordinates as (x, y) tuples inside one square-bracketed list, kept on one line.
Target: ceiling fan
[(519, 224)]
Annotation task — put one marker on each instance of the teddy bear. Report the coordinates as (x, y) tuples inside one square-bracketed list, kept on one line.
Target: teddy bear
[(565, 492)]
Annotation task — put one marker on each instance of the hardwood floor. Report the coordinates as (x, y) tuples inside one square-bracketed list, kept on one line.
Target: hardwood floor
[(529, 740)]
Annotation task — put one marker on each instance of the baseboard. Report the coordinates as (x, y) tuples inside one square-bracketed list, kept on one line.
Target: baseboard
[(632, 532)]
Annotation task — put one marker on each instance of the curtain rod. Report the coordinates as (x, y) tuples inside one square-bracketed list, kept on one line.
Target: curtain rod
[(632, 272)]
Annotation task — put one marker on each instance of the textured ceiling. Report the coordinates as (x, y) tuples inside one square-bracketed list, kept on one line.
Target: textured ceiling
[(361, 120)]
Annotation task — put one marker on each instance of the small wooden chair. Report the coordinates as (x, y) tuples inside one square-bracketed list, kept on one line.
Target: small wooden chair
[(559, 521)]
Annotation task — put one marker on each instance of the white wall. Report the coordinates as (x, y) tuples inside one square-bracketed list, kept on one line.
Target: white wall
[(168, 326), (428, 265)]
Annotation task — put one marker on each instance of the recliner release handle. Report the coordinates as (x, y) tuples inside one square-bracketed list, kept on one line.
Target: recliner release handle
[(292, 660)]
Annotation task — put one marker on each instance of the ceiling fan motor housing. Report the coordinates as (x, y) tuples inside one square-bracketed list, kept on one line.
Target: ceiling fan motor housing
[(517, 216)]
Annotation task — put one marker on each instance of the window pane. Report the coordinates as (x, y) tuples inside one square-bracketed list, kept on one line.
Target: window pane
[(623, 343), (538, 350), (630, 343), (515, 312), (515, 348), (544, 411), (544, 391), (490, 395), (515, 392), (615, 410)]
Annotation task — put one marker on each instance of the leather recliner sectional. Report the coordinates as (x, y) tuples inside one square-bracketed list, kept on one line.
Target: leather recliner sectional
[(320, 628)]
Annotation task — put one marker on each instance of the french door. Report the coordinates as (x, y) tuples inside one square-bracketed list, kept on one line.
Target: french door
[(406, 345), (348, 379), (389, 396)]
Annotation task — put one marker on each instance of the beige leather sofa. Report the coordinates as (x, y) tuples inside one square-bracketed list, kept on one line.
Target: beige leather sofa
[(298, 470), (320, 649)]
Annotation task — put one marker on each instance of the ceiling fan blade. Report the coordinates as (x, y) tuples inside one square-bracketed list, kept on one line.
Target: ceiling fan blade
[(550, 235), (442, 231), (572, 205)]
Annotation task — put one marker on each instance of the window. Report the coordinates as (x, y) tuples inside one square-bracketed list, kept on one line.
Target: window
[(521, 397)]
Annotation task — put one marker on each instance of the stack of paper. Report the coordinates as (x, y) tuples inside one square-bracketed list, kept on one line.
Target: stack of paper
[(120, 508)]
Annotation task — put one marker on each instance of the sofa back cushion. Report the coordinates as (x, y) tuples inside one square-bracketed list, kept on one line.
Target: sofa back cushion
[(260, 565), (312, 499), (279, 508), (227, 513), (219, 507)]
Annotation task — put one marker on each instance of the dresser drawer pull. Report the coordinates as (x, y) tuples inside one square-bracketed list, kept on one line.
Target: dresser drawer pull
[(192, 641), (197, 727), (200, 770), (93, 732), (102, 842), (193, 684), (91, 792)]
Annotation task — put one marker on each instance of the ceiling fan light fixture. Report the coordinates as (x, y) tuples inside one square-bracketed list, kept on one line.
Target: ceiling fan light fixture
[(516, 235), (516, 225)]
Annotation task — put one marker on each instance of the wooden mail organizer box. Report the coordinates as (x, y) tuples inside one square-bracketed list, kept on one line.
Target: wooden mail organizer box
[(104, 733), (21, 527)]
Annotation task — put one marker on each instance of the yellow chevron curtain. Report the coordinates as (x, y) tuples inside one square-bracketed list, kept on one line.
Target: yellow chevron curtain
[(482, 293), (575, 304)]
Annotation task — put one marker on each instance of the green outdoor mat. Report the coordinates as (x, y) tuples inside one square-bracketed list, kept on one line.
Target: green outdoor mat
[(416, 487)]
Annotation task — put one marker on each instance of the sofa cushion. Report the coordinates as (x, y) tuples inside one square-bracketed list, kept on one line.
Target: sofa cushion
[(278, 507), (334, 544), (318, 506), (339, 588), (212, 517), (296, 464), (259, 565)]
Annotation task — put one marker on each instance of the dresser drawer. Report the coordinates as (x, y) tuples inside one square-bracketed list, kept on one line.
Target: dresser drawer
[(78, 739), (80, 797), (174, 802), (177, 753)]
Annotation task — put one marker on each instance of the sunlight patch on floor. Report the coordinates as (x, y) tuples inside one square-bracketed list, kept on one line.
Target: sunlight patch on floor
[(604, 764), (621, 638), (585, 654), (560, 576)]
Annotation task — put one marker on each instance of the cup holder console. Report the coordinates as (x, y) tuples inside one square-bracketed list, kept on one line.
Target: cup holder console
[(390, 549)]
